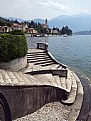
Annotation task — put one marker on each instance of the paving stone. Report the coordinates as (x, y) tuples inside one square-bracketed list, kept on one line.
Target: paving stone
[(1, 79), (63, 82), (57, 80), (33, 80), (72, 94), (43, 79), (5, 76), (13, 77), (43, 62)]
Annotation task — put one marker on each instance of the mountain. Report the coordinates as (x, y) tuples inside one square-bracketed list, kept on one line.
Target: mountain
[(39, 20), (79, 22), (18, 19), (83, 33)]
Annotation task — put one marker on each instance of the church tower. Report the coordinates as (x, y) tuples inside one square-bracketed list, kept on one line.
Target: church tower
[(46, 21)]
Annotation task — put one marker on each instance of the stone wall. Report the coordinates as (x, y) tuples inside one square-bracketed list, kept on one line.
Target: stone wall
[(25, 100), (41, 45), (14, 65)]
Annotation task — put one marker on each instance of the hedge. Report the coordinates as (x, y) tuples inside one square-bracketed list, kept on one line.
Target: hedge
[(12, 46), (16, 32)]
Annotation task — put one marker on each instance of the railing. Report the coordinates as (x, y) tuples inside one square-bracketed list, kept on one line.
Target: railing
[(43, 46)]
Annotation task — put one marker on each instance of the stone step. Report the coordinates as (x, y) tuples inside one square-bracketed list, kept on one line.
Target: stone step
[(63, 82), (47, 64), (53, 66), (38, 54), (33, 80), (5, 78), (52, 80), (35, 50), (57, 80), (37, 58), (43, 62), (43, 79), (33, 68), (1, 79), (39, 61), (13, 78), (68, 82), (46, 79), (72, 94), (78, 101), (42, 55), (24, 78), (19, 78)]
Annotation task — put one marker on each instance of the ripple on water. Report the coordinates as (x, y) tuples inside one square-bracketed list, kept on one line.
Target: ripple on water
[(74, 51)]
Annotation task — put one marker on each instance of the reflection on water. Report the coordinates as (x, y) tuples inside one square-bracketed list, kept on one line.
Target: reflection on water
[(74, 51)]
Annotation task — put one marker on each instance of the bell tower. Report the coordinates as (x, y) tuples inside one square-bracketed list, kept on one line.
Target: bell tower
[(46, 21)]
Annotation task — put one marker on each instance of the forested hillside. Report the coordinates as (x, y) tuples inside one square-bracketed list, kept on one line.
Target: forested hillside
[(5, 22)]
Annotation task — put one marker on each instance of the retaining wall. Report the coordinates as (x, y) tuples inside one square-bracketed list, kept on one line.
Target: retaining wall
[(26, 100), (14, 65)]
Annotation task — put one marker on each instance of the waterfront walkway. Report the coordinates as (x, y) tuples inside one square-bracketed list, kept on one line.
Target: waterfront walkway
[(44, 70)]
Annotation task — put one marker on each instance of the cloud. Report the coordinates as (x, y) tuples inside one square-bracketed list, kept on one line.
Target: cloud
[(43, 8), (55, 4)]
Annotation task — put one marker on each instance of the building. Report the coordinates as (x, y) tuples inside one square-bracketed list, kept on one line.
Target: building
[(24, 27), (16, 26), (55, 32), (4, 29), (32, 31), (45, 25)]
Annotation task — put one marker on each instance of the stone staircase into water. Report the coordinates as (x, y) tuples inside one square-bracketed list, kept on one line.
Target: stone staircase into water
[(70, 85), (44, 70)]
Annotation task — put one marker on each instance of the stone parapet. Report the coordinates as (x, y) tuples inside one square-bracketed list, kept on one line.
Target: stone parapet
[(42, 45), (14, 65), (26, 100)]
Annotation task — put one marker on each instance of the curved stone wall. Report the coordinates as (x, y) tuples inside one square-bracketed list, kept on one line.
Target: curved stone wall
[(5, 114), (15, 65), (26, 100)]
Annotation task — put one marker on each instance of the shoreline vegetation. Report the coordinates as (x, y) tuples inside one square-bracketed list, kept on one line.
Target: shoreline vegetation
[(33, 28)]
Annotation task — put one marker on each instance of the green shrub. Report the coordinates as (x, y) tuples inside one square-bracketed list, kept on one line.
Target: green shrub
[(12, 46), (16, 32)]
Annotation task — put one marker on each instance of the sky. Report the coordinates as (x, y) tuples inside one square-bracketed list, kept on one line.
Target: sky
[(31, 9)]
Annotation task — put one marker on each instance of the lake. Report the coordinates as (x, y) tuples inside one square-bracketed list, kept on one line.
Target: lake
[(74, 51)]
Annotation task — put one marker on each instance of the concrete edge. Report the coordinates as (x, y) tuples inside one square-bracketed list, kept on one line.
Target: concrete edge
[(76, 107), (51, 56)]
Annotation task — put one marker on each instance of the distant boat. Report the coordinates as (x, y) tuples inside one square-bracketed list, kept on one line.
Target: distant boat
[(65, 35)]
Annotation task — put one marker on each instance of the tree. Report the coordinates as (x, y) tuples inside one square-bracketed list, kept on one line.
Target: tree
[(16, 21), (66, 30)]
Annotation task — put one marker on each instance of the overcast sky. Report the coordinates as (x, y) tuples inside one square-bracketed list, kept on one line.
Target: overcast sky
[(30, 9)]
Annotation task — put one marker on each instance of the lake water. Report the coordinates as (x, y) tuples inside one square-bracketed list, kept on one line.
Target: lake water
[(74, 51)]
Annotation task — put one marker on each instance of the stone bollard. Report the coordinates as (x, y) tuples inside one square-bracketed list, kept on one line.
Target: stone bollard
[(43, 46)]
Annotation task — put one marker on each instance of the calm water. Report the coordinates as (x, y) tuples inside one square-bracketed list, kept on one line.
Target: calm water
[(74, 51)]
